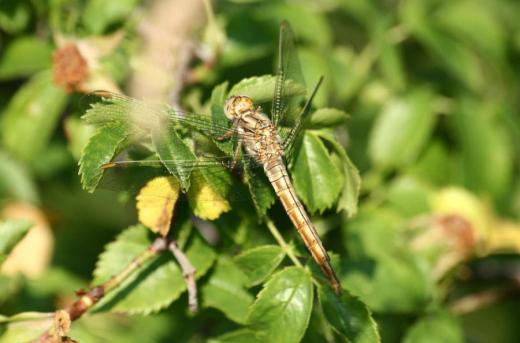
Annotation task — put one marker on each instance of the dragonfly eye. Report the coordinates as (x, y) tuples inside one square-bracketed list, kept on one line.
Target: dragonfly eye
[(237, 105)]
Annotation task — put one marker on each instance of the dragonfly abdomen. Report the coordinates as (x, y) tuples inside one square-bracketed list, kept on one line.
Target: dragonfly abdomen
[(277, 174)]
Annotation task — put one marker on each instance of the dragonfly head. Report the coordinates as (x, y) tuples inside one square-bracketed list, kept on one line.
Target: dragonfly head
[(237, 105)]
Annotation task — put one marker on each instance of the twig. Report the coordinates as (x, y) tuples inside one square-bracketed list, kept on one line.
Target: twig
[(188, 272), (281, 242), (87, 299), (475, 301)]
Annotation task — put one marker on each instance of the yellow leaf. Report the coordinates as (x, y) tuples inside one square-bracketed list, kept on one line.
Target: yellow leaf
[(155, 203), (204, 200), (460, 202), (33, 254), (505, 238)]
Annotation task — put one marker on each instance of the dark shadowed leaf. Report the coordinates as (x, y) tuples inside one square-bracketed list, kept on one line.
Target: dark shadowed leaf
[(225, 291), (282, 309), (170, 147), (348, 316), (258, 263)]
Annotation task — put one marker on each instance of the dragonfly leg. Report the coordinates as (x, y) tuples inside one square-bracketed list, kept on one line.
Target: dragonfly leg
[(228, 133), (236, 154)]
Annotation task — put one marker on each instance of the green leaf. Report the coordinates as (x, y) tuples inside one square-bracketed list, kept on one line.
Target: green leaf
[(170, 147), (326, 117), (100, 149), (157, 282), (15, 181), (436, 327), (487, 157), (348, 316), (402, 129), (78, 133), (474, 23), (11, 232), (261, 88), (316, 178), (238, 336), (99, 15), (260, 189), (258, 263), (218, 98), (348, 200), (282, 309), (25, 326), (15, 15), (379, 264), (225, 291), (31, 116), (25, 56)]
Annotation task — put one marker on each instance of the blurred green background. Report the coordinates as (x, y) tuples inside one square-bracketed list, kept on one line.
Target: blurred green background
[(432, 88)]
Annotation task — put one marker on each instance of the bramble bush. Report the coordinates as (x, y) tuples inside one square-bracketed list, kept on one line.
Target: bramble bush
[(408, 165)]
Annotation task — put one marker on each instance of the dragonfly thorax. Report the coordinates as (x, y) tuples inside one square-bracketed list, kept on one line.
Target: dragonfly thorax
[(237, 106)]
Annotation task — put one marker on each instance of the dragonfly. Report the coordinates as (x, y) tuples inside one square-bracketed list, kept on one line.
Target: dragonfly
[(246, 133)]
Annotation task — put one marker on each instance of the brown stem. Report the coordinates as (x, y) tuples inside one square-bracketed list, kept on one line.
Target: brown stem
[(188, 272), (89, 298)]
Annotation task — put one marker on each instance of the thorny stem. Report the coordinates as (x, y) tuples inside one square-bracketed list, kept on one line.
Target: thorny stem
[(87, 299)]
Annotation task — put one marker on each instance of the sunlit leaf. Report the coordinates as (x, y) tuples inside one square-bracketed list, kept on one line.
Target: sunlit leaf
[(99, 14), (205, 201), (402, 129), (11, 232), (225, 291), (31, 116), (15, 181), (238, 336), (348, 199), (348, 316), (258, 263), (25, 326), (25, 56), (282, 309), (437, 327), (100, 149), (155, 203), (261, 88), (326, 117), (157, 283), (316, 178)]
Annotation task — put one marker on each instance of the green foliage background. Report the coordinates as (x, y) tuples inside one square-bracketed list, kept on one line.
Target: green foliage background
[(432, 92)]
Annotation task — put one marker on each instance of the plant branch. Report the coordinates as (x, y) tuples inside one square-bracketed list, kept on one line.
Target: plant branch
[(188, 272), (87, 299), (282, 243)]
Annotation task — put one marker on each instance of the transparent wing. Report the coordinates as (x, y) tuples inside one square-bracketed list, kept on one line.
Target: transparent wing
[(288, 70), (215, 172), (143, 116)]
